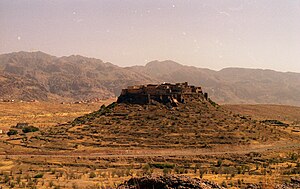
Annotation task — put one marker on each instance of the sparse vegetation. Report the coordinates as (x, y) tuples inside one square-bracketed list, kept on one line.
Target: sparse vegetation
[(134, 140)]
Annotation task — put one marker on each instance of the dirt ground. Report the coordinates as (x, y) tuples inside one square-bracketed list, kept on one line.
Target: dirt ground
[(231, 166), (43, 113), (288, 114)]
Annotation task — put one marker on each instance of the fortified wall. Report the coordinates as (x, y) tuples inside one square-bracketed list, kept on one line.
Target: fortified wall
[(164, 93)]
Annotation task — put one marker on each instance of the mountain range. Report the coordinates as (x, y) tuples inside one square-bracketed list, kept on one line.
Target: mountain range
[(39, 76)]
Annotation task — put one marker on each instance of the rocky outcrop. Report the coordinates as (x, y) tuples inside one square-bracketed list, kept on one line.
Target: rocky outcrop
[(185, 182), (168, 182), (292, 184)]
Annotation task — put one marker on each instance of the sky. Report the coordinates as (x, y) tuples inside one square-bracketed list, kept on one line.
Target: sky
[(210, 34)]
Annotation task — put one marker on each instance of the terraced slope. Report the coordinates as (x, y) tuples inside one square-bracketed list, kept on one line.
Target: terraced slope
[(195, 124)]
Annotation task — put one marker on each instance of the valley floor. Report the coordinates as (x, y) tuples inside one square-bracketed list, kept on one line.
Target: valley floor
[(233, 166), (43, 113)]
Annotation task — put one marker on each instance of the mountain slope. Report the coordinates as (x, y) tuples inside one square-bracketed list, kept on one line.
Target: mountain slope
[(231, 85), (29, 76), (263, 86), (37, 75)]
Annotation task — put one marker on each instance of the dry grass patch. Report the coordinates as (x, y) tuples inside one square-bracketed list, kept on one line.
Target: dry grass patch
[(43, 113)]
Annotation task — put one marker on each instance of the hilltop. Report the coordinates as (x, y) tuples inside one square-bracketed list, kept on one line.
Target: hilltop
[(194, 121)]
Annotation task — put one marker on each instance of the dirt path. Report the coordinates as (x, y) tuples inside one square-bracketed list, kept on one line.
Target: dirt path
[(164, 152)]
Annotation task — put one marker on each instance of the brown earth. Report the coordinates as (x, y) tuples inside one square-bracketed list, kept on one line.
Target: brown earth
[(287, 114), (195, 124), (121, 141), (44, 114)]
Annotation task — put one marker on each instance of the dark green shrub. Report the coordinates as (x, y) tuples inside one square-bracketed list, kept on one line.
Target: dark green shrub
[(224, 184), (40, 175), (92, 175), (29, 129), (162, 165), (166, 171), (219, 163), (12, 132)]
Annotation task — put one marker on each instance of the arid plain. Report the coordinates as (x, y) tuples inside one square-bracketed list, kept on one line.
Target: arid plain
[(68, 153), (165, 94)]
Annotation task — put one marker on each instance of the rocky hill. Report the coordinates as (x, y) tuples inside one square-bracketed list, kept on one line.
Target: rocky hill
[(194, 123), (39, 76)]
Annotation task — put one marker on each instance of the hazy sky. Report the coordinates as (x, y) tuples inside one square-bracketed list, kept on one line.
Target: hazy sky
[(203, 33)]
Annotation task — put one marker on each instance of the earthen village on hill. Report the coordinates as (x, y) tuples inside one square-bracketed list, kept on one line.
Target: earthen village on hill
[(165, 93)]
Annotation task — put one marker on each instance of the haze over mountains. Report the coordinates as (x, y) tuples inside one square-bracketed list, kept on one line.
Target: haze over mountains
[(39, 76)]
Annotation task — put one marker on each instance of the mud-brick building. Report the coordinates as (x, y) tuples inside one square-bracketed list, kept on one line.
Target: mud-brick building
[(163, 93)]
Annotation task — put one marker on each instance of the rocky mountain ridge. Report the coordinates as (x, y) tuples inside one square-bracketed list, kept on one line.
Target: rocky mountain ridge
[(39, 76), (231, 85)]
